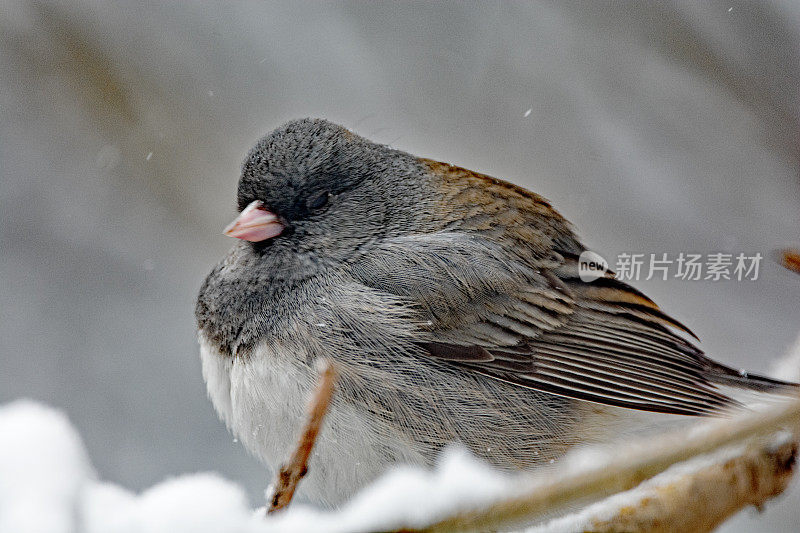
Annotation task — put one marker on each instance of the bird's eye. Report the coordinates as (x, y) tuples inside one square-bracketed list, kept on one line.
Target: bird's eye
[(318, 201)]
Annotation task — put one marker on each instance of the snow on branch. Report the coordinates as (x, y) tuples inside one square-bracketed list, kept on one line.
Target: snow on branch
[(701, 500), (643, 460)]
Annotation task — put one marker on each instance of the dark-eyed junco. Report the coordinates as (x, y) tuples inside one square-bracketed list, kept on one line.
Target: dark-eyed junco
[(451, 302)]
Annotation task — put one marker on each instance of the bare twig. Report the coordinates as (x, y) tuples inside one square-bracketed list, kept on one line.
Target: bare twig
[(638, 464), (790, 258), (290, 474)]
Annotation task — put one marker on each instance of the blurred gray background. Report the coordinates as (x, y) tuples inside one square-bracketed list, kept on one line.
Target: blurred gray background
[(655, 127)]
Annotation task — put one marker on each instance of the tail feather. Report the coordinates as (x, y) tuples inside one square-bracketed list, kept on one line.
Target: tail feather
[(724, 375)]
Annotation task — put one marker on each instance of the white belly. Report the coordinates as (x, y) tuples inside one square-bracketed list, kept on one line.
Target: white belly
[(263, 400)]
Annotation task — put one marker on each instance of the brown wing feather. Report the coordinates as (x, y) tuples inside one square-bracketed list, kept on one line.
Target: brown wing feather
[(476, 202), (603, 341), (499, 290), (621, 361)]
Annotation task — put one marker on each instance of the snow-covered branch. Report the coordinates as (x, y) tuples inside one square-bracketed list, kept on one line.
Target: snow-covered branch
[(701, 500), (767, 467)]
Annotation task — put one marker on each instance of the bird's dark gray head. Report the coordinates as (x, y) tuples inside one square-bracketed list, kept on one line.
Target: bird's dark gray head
[(313, 197), (331, 190)]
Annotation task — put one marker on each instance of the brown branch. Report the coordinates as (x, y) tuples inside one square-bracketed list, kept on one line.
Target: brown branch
[(701, 500), (290, 474)]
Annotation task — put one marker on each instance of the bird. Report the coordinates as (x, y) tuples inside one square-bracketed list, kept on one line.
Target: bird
[(451, 304)]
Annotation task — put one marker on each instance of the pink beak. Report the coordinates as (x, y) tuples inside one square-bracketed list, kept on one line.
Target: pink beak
[(255, 224)]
